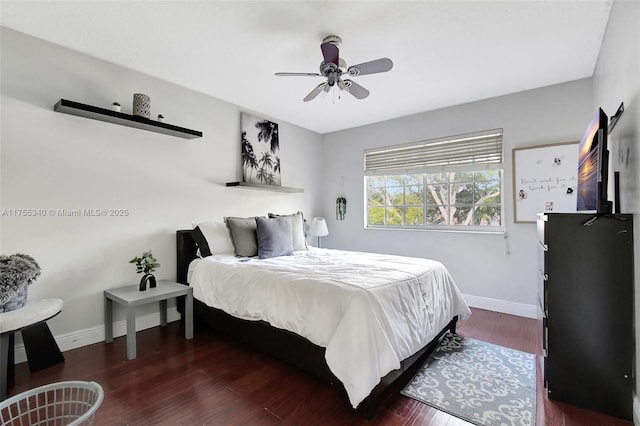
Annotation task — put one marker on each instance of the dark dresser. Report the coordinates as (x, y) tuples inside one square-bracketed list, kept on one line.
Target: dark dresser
[(586, 300)]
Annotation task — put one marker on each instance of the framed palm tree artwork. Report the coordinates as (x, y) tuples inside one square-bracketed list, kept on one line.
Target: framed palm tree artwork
[(260, 151)]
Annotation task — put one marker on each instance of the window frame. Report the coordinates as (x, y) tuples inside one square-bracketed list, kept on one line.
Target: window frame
[(460, 164)]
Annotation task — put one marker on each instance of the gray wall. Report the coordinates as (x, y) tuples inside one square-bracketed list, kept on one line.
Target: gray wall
[(617, 79), (58, 161), (494, 271)]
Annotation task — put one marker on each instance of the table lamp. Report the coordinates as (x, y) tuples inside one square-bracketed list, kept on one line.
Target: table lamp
[(318, 228)]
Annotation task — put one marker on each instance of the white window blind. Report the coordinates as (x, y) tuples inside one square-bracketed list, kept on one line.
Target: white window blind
[(479, 150)]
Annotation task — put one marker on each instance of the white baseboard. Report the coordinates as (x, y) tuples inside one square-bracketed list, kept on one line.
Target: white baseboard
[(636, 410), (93, 335), (503, 306)]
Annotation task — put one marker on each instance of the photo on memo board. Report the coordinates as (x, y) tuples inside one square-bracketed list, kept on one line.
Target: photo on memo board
[(544, 180), (260, 151)]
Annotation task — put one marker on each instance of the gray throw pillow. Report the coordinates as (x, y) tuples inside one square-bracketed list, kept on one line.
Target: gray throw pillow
[(299, 240), (275, 237), (243, 235)]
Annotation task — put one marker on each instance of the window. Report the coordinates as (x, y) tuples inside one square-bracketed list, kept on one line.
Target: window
[(447, 183)]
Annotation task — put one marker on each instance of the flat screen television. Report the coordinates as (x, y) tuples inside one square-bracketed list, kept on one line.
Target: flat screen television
[(593, 167)]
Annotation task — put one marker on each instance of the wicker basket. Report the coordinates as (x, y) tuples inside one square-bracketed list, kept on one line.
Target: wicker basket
[(62, 403), (18, 301)]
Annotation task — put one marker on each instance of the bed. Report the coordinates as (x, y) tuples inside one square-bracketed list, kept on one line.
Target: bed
[(352, 343)]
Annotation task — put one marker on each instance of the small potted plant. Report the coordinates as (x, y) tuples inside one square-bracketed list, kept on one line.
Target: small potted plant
[(116, 106), (146, 264), (161, 118)]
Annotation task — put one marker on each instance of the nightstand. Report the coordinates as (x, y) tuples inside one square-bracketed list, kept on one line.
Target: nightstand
[(130, 297)]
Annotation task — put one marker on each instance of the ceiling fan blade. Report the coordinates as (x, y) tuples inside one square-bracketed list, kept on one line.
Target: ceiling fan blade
[(355, 89), (298, 74), (315, 92), (330, 52), (371, 67)]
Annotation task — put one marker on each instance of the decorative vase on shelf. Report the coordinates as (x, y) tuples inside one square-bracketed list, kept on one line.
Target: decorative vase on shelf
[(147, 278), (141, 105)]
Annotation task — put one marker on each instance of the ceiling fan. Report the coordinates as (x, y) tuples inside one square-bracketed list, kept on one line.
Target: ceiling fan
[(333, 66)]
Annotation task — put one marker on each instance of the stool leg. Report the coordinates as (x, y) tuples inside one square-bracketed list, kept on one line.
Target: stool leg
[(4, 363), (40, 346)]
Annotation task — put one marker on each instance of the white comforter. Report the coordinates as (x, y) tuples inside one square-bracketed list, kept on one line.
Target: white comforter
[(369, 311)]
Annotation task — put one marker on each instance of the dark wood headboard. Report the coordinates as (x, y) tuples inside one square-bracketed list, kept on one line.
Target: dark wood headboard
[(186, 251)]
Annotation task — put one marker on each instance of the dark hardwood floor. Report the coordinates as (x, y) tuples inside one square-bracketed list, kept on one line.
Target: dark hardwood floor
[(213, 380)]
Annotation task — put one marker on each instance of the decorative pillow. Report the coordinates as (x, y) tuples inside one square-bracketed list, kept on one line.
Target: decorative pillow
[(299, 237), (243, 235), (212, 238), (275, 237)]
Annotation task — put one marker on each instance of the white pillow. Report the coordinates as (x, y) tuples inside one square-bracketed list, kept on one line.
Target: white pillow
[(212, 237)]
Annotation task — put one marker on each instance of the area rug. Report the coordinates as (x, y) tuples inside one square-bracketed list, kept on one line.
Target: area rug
[(478, 382)]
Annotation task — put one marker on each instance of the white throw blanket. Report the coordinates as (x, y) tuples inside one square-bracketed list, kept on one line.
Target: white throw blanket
[(369, 311)]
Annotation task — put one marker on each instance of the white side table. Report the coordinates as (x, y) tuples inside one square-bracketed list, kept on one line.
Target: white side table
[(130, 297), (39, 344)]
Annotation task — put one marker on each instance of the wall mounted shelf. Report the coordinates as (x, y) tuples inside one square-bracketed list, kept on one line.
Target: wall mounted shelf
[(264, 187), (109, 116)]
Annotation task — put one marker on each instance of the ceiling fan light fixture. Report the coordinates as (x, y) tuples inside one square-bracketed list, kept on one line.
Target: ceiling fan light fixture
[(333, 67)]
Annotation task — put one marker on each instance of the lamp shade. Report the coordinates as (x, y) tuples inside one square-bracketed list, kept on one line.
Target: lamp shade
[(318, 227)]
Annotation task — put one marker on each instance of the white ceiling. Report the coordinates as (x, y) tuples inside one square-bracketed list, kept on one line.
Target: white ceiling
[(444, 52)]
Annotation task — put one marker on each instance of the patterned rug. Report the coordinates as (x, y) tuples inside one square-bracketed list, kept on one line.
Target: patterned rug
[(478, 382)]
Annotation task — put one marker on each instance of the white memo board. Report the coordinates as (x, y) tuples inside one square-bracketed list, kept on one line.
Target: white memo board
[(544, 180)]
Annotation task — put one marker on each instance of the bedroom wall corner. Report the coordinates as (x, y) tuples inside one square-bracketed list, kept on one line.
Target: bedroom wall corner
[(66, 164)]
